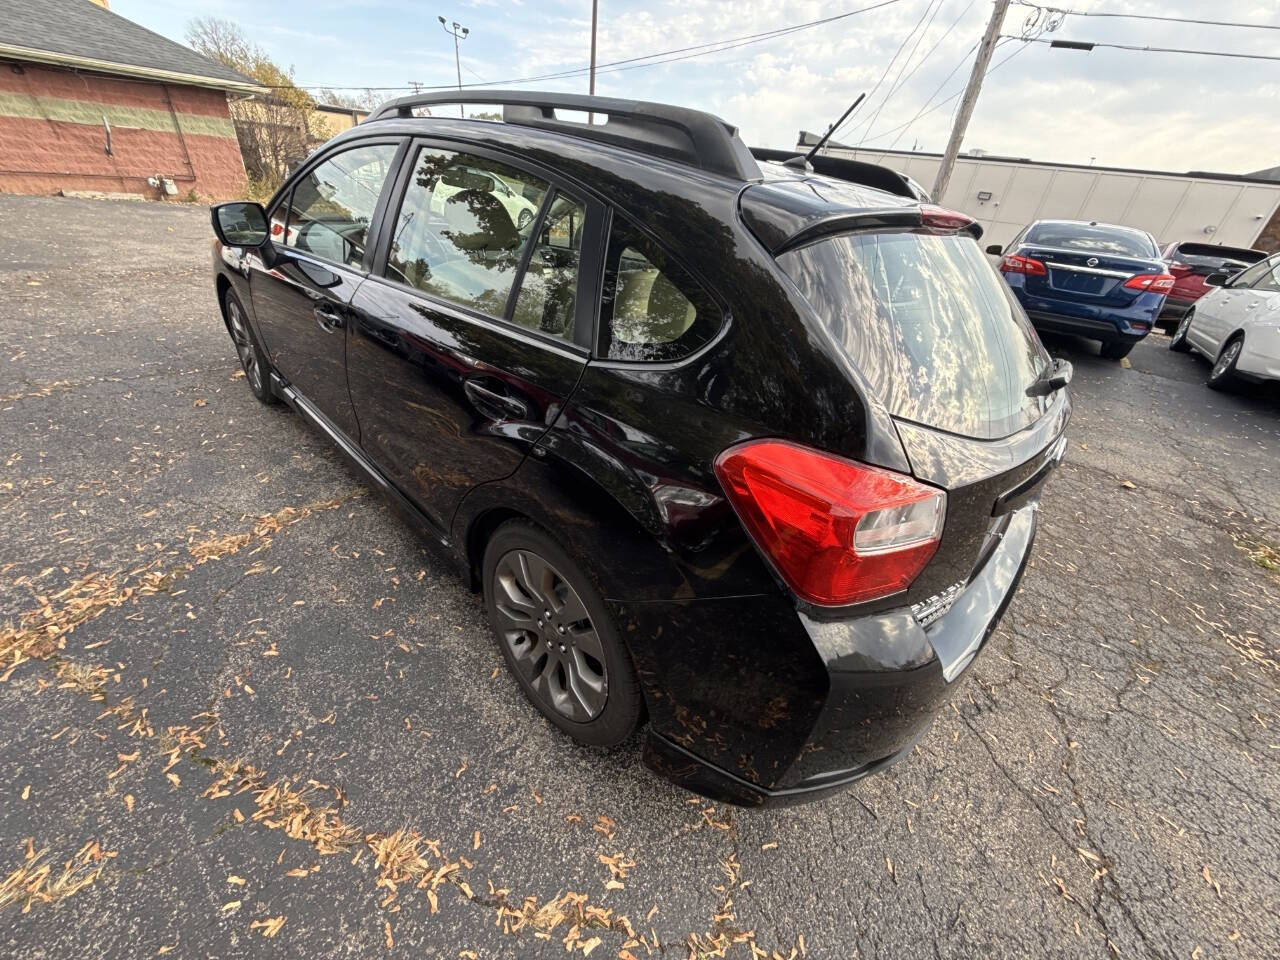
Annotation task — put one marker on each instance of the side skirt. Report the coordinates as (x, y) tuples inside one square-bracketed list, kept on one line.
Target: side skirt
[(419, 520)]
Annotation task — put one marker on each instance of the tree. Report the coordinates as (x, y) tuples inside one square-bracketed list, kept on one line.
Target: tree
[(275, 129), (353, 100)]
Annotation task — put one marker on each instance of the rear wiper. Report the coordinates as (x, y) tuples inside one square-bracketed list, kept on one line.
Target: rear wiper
[(1053, 377)]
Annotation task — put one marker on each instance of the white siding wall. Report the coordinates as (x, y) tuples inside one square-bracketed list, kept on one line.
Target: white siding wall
[(1170, 207)]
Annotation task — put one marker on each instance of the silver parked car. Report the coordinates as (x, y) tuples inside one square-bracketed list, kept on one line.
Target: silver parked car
[(1237, 325)]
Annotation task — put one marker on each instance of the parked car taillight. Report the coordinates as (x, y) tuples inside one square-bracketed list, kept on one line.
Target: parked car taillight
[(1012, 263), (1178, 269), (838, 532), (1151, 282)]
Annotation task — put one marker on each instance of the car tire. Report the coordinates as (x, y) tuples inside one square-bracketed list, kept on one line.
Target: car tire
[(252, 360), (1179, 342), (1224, 367), (524, 219), (1116, 349), (572, 664)]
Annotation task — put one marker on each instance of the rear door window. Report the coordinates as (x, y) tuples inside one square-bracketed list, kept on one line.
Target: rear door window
[(930, 324)]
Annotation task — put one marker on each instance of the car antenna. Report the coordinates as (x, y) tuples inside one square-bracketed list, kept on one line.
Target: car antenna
[(803, 162)]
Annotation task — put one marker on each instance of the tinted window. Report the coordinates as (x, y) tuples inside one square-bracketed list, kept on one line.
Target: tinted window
[(1204, 257), (332, 205), (652, 309), (930, 324), (463, 227), (1100, 239), (549, 287)]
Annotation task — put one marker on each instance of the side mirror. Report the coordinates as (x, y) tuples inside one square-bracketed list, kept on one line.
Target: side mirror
[(1216, 280), (240, 224), (995, 249)]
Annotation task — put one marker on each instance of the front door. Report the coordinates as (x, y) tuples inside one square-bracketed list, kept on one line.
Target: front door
[(464, 350), (304, 280)]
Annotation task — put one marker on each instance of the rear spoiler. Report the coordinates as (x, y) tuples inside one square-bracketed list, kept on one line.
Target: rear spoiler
[(854, 171)]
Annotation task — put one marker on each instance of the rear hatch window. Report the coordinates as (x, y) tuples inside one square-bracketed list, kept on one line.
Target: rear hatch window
[(930, 324)]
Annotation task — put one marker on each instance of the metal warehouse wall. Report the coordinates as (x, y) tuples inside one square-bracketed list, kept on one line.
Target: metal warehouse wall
[(1171, 207), (52, 135)]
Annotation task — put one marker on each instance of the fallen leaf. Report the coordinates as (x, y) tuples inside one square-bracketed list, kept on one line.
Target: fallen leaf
[(1129, 485), (128, 802)]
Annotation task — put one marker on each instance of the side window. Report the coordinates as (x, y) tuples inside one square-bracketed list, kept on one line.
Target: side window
[(1270, 279), (463, 227), (652, 309), (548, 290), (1247, 278), (332, 205)]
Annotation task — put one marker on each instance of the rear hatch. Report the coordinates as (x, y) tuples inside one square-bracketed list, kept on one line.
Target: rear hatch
[(941, 342), (1190, 263)]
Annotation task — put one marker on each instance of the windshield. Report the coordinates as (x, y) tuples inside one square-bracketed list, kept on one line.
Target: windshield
[(930, 324), (1097, 237)]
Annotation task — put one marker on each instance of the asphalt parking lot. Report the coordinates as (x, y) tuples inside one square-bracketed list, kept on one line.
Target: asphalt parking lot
[(244, 713)]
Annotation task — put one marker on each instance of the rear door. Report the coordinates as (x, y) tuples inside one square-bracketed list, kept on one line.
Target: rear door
[(475, 326), (303, 283)]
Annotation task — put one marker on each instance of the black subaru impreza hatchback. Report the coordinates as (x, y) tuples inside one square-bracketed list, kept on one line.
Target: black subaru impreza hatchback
[(744, 449)]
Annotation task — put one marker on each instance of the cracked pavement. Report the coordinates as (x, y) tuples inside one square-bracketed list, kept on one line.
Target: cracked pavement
[(1105, 785)]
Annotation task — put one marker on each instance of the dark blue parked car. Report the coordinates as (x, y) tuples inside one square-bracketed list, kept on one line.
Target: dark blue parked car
[(1094, 280)]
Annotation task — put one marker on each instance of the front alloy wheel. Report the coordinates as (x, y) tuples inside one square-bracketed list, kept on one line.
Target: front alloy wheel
[(1179, 342), (251, 359)]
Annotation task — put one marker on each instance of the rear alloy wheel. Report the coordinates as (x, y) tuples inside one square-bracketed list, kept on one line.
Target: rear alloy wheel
[(1116, 349), (252, 361), (1224, 368), (1179, 342), (557, 637)]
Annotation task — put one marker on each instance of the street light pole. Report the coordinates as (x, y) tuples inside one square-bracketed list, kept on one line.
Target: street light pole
[(985, 49), (457, 57)]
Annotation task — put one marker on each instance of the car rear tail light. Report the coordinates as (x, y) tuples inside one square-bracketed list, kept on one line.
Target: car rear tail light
[(1179, 269), (837, 532), (944, 221), (1012, 263), (1151, 282)]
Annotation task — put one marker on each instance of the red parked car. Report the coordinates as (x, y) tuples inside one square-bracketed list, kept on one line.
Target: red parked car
[(1190, 263)]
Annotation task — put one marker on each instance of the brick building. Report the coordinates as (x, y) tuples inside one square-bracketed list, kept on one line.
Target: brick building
[(92, 101)]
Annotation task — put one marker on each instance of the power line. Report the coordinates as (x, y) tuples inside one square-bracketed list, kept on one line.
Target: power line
[(926, 109), (893, 85), (631, 63), (1089, 45), (921, 62), (892, 60), (1148, 16)]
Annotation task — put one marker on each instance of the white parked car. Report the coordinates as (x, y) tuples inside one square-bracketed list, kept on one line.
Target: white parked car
[(519, 208), (1237, 325)]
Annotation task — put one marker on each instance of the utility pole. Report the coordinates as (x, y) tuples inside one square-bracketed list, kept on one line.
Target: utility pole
[(595, 4), (970, 98), (457, 58)]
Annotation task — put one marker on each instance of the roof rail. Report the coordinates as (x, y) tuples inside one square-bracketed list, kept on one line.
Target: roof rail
[(841, 168), (687, 136)]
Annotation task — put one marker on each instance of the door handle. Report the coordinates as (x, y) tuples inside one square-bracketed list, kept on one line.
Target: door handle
[(500, 406), (328, 317)]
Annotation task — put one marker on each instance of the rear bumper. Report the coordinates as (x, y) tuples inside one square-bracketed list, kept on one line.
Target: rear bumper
[(1096, 322), (875, 684), (1104, 331)]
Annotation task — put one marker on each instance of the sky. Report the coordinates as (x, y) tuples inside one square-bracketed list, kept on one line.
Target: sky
[(1124, 108)]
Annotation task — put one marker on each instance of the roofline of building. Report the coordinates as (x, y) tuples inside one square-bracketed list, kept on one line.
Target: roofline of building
[(30, 55), (807, 139)]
